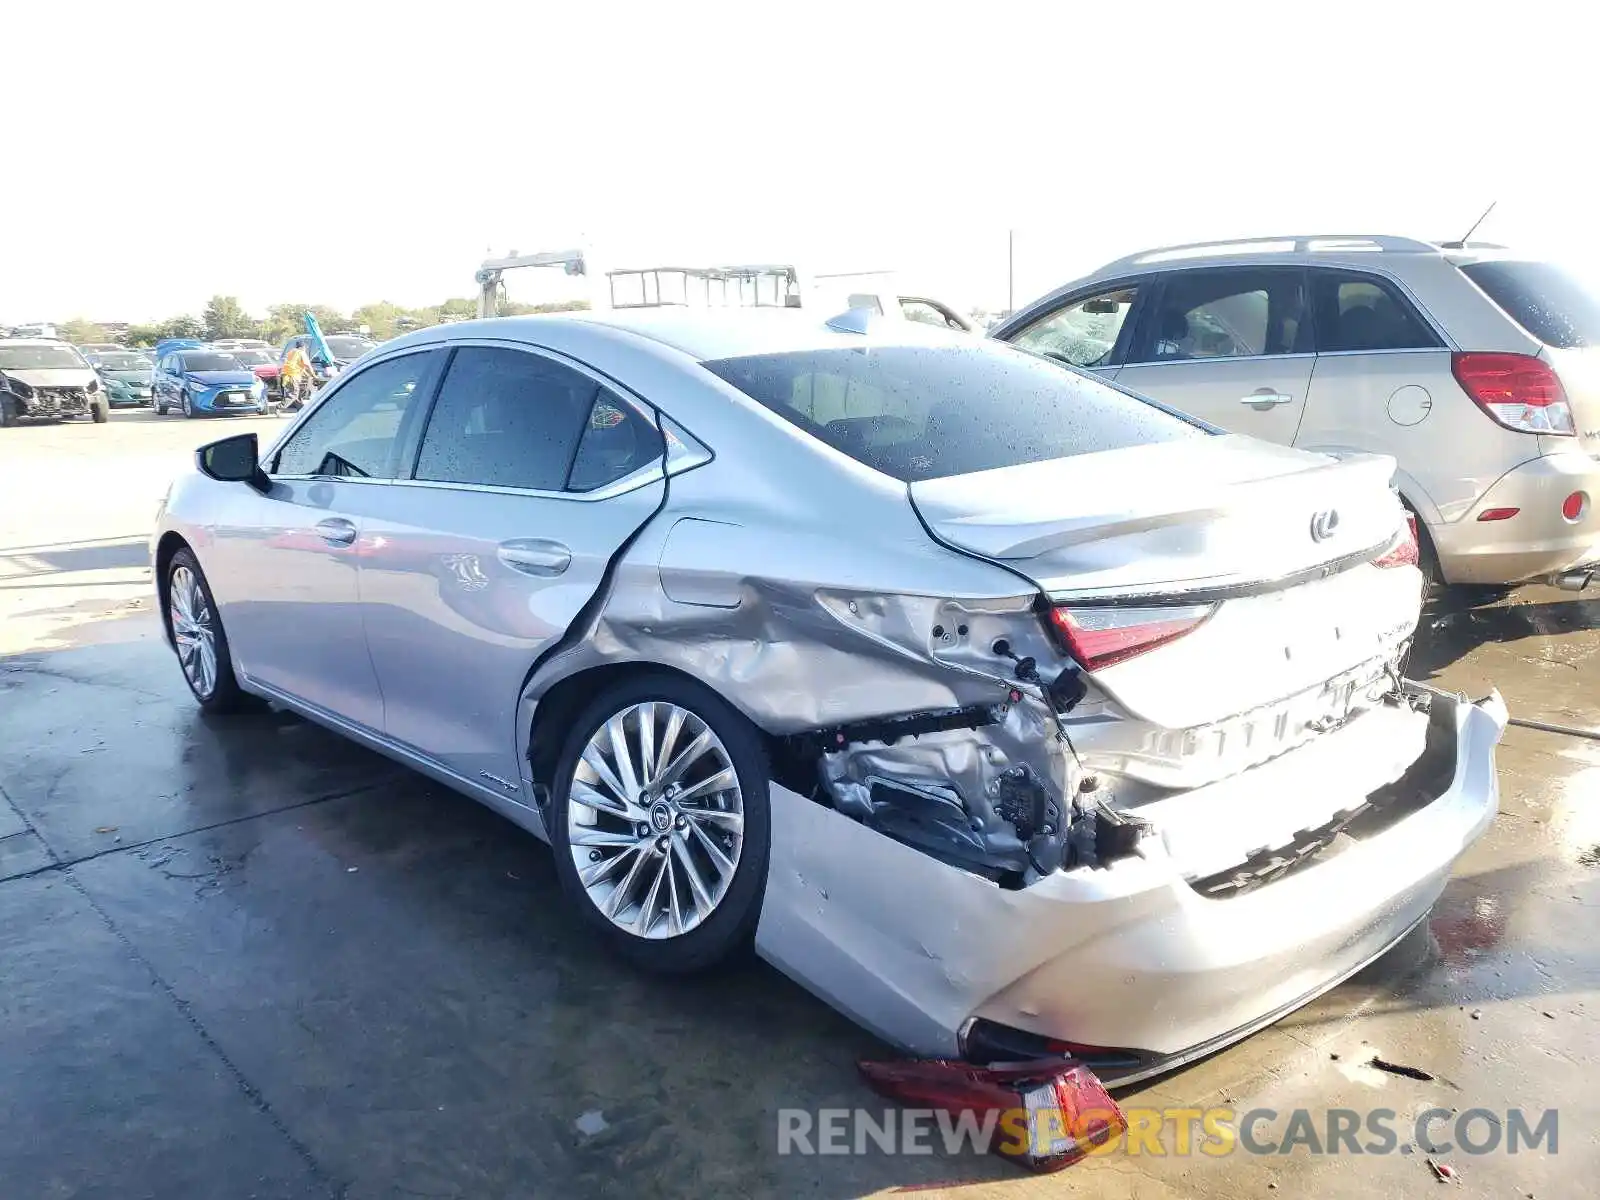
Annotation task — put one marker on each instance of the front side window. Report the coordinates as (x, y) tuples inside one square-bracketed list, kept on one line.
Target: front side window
[(1554, 306), (508, 418), (1363, 312), (926, 412), (1085, 332), (357, 431), (1224, 314)]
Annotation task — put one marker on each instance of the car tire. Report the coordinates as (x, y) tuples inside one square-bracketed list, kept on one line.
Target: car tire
[(195, 625), (188, 406), (8, 413), (161, 407), (99, 413), (668, 904)]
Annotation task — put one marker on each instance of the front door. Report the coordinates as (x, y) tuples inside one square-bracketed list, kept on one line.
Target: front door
[(530, 478), (1230, 345), (290, 558)]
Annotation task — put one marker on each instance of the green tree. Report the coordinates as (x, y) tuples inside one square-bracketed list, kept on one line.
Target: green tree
[(225, 318), (143, 335), (285, 320), (180, 327), (79, 331)]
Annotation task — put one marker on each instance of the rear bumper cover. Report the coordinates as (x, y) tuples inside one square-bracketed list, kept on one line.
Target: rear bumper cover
[(1129, 955), (1538, 541)]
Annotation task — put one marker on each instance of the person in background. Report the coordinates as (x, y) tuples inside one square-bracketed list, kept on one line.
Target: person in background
[(295, 378)]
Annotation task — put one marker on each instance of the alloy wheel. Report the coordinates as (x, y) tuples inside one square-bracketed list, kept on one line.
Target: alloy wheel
[(194, 631), (655, 820)]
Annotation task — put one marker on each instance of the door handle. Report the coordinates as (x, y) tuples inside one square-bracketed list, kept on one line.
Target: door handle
[(336, 531), (535, 556), (1266, 398)]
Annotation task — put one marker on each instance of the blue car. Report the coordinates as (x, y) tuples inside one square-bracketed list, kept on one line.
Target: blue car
[(203, 382)]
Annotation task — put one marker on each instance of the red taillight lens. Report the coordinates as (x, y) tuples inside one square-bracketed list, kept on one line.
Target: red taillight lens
[(1498, 514), (1575, 505), (1099, 637), (1405, 552), (1516, 390)]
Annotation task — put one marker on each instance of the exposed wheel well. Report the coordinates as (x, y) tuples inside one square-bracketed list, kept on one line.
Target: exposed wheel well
[(169, 545), (570, 695)]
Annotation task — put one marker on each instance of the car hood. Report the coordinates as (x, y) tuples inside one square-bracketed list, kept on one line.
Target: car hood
[(134, 376), (220, 378), (52, 376)]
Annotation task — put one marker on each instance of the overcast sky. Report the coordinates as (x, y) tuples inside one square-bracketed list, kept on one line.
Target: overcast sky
[(143, 139)]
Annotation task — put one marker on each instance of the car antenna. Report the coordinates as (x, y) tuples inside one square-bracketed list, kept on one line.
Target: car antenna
[(1462, 244)]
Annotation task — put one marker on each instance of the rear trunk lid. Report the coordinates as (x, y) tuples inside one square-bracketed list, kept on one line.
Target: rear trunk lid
[(1275, 541)]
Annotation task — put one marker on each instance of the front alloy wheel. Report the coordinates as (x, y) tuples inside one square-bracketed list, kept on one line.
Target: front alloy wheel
[(198, 636), (661, 822), (188, 409)]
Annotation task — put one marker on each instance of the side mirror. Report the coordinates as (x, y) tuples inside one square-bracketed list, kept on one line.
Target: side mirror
[(234, 460)]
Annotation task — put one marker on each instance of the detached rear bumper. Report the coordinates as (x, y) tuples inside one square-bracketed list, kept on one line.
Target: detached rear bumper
[(1133, 956)]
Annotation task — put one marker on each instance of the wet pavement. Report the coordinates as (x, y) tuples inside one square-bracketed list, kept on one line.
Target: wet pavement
[(242, 957)]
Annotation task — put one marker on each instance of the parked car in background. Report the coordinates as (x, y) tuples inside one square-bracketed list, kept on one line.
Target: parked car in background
[(45, 378), (166, 345), (908, 655), (346, 348), (89, 349), (242, 344), (204, 382), (1478, 369), (127, 376), (263, 363)]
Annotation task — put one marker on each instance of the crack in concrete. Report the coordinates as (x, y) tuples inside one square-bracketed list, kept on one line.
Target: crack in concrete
[(252, 1093), (60, 864)]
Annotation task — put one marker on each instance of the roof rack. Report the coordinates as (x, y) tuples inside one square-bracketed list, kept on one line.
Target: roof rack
[(1343, 243)]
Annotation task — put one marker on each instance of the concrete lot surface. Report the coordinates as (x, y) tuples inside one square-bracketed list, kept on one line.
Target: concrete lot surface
[(245, 958)]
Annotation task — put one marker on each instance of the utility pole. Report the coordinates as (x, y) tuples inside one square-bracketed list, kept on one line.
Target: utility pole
[(1011, 271)]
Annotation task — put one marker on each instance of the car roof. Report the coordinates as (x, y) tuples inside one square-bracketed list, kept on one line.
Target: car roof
[(707, 333), (32, 341)]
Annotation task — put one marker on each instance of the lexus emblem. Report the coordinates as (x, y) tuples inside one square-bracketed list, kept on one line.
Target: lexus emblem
[(1324, 524)]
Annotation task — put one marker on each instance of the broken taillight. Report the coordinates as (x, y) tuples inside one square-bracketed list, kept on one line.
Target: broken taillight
[(1100, 636), (1045, 1114), (1405, 552)]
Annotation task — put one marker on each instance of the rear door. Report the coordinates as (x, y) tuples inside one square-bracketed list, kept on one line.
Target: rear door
[(1231, 345), (530, 477), (1382, 383)]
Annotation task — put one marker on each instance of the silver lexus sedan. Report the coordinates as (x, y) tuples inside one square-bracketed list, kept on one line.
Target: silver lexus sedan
[(1009, 712)]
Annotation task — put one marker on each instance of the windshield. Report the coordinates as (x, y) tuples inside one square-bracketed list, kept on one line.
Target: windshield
[(925, 412), (123, 362), (40, 358), (252, 358), (348, 347), (1551, 304), (211, 361)]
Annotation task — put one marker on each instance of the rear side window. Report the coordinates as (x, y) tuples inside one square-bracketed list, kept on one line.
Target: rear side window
[(1551, 304), (1363, 312), (507, 418), (1225, 314), (926, 412)]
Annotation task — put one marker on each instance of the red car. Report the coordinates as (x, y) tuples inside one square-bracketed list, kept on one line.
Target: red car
[(263, 363)]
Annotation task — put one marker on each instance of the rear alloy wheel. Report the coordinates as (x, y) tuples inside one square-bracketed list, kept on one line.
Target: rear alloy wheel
[(660, 822), (198, 637)]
